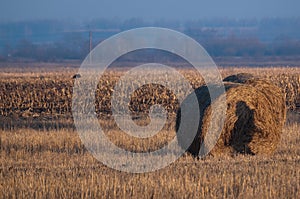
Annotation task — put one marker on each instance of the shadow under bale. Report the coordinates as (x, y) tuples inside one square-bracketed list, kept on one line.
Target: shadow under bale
[(254, 120)]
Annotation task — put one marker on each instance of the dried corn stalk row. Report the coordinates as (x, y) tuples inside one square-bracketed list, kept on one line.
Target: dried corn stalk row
[(35, 97)]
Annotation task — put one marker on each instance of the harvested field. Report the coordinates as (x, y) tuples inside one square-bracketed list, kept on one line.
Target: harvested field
[(42, 155)]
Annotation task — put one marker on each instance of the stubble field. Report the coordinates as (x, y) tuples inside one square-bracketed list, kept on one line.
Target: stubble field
[(42, 155)]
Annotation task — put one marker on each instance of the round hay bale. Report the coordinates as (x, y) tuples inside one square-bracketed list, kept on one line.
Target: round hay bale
[(255, 116)]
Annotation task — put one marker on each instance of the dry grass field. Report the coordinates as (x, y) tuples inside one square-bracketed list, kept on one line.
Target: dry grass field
[(42, 155)]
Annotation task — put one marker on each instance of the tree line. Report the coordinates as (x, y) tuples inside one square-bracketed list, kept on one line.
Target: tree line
[(57, 40)]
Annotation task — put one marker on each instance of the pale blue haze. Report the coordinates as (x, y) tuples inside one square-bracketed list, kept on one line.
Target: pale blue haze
[(11, 10)]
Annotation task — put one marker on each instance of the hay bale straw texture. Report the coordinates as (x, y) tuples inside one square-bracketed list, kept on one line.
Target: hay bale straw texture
[(255, 116)]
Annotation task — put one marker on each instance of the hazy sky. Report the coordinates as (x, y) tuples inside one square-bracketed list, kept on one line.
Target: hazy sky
[(147, 9)]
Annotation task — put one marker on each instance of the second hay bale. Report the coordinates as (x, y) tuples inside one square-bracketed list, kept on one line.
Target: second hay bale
[(239, 78), (254, 119)]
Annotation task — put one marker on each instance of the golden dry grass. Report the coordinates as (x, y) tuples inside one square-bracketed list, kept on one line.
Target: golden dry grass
[(55, 164), (43, 157)]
